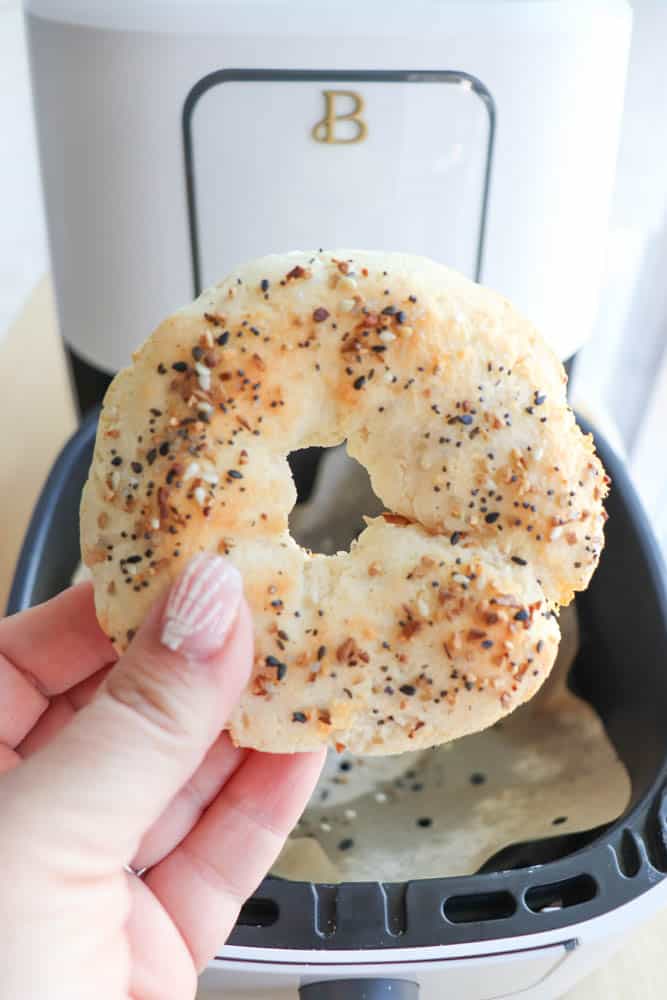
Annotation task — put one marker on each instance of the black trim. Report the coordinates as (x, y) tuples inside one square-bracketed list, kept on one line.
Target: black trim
[(50, 549), (89, 382), (324, 76)]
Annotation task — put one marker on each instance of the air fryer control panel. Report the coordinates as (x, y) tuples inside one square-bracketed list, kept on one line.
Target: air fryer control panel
[(381, 159)]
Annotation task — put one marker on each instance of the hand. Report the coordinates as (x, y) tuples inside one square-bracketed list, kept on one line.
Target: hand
[(105, 764)]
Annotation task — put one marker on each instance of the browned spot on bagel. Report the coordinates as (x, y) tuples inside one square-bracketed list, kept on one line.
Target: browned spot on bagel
[(93, 556), (349, 652), (396, 518), (410, 628)]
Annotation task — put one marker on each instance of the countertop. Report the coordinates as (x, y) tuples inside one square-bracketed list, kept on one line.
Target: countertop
[(37, 416)]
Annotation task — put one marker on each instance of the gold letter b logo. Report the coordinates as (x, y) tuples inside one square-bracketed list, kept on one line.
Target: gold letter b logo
[(325, 130)]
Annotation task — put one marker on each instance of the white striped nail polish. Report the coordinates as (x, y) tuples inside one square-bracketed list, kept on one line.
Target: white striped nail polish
[(201, 606)]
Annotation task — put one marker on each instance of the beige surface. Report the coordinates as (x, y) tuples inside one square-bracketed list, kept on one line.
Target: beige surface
[(36, 414), (35, 406)]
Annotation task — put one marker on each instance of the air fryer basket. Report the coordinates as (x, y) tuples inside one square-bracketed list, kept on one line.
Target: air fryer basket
[(529, 887)]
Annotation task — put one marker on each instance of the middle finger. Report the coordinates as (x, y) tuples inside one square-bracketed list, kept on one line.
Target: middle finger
[(182, 813)]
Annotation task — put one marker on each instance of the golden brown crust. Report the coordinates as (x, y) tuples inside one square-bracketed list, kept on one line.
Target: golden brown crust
[(457, 409)]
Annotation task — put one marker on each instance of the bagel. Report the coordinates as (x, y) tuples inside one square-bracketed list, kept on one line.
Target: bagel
[(442, 617)]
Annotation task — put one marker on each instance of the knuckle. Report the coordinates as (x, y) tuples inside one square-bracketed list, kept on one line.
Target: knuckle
[(159, 700)]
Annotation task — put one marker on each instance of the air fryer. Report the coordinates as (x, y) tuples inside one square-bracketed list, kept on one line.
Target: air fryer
[(548, 905)]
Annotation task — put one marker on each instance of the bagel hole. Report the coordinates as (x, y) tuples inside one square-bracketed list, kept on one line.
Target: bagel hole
[(334, 494)]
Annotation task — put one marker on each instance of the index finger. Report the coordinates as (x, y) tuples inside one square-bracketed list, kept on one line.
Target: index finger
[(59, 643)]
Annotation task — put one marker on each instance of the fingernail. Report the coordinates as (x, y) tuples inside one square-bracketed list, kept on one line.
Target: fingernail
[(201, 606)]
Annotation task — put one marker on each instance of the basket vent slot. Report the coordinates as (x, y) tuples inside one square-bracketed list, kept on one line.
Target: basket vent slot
[(258, 912), (478, 907), (561, 895), (325, 909), (655, 837), (394, 908), (629, 856)]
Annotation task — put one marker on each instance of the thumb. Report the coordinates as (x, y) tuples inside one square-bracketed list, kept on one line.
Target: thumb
[(108, 775)]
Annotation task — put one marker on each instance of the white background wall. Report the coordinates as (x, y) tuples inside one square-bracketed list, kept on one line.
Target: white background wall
[(23, 257)]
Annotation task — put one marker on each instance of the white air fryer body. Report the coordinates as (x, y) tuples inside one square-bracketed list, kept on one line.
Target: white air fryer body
[(537, 967), (179, 138), (488, 134)]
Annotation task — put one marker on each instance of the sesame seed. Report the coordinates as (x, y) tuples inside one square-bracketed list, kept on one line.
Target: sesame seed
[(203, 376)]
